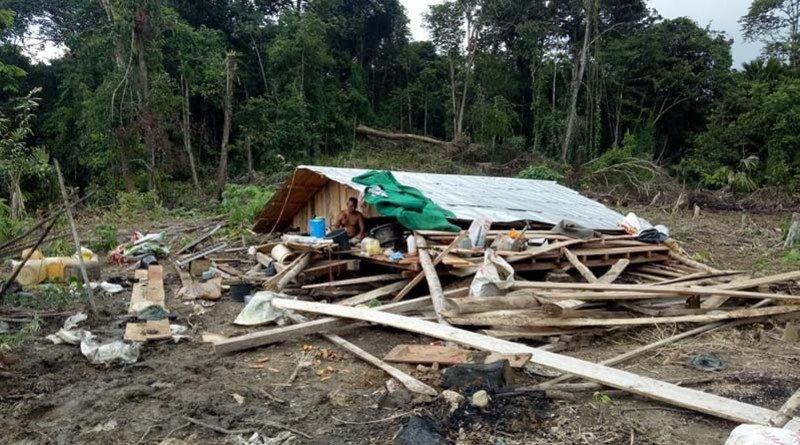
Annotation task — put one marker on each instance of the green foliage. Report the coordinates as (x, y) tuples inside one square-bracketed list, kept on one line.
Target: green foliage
[(791, 257), (542, 172), (601, 398), (243, 203), (50, 296), (104, 238), (703, 257), (62, 247), (11, 340), (19, 161), (138, 203), (10, 227)]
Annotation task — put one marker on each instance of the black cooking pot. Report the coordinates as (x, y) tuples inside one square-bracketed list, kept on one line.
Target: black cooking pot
[(387, 234)]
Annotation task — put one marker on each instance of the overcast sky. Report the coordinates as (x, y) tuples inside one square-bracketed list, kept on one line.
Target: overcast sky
[(721, 15)]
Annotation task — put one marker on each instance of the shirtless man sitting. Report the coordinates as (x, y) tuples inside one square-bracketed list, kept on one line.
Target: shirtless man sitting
[(352, 220)]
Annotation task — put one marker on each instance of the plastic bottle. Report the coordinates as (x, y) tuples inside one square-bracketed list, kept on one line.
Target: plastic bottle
[(411, 244)]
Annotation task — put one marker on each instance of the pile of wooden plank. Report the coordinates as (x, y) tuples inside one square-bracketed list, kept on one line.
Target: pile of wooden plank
[(563, 287)]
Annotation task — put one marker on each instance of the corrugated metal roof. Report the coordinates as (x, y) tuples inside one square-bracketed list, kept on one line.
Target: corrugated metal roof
[(501, 199)]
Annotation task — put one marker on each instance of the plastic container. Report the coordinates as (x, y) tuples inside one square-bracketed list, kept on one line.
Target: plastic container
[(411, 245), (316, 227), (282, 254), (339, 236), (240, 290), (371, 246)]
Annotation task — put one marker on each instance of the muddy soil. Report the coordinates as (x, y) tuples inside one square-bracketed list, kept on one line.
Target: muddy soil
[(50, 394)]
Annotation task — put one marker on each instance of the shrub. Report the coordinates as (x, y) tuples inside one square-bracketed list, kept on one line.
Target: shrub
[(10, 227), (132, 203), (104, 238), (243, 203), (541, 172)]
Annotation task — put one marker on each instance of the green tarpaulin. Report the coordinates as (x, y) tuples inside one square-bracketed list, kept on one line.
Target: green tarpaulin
[(411, 208)]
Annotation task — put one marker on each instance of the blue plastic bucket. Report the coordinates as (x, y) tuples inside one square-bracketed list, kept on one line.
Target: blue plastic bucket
[(317, 227)]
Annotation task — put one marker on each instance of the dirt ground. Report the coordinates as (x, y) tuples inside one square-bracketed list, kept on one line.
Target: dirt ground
[(50, 394)]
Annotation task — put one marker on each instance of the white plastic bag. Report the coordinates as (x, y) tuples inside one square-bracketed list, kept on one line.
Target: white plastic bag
[(759, 435), (477, 232), (109, 353), (260, 310), (493, 275)]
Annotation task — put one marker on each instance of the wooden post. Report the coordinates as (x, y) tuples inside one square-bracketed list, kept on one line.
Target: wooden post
[(75, 237), (434, 285), (579, 266), (421, 275)]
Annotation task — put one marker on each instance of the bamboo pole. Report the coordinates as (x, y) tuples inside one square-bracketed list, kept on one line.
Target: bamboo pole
[(75, 238)]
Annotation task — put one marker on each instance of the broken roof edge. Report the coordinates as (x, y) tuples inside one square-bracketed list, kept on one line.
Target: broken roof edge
[(505, 200)]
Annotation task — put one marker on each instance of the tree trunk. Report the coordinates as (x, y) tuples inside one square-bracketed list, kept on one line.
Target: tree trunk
[(222, 172), (121, 140), (453, 93), (555, 76), (576, 83), (248, 148), (261, 63), (425, 117), (186, 127), (367, 131), (146, 118)]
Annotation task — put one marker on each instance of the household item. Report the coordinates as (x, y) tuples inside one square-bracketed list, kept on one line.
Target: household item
[(411, 245), (410, 206), (38, 270), (240, 290), (339, 236), (477, 232), (147, 261), (282, 254), (371, 246), (72, 270), (387, 234), (317, 227)]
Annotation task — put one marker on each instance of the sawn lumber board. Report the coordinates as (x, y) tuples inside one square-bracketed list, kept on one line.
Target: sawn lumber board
[(647, 387)]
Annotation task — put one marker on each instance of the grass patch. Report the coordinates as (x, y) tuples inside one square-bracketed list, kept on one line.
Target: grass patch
[(703, 257), (49, 296), (104, 238), (791, 257), (10, 340)]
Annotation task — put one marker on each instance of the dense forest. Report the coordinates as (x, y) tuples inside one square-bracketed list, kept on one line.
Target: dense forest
[(176, 97)]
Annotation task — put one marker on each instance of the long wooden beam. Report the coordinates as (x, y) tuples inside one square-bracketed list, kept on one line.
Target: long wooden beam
[(651, 388), (535, 318), (638, 288), (359, 280), (717, 300), (663, 342), (327, 324)]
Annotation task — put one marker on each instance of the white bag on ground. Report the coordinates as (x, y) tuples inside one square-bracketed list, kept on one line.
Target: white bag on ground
[(494, 275), (260, 311), (760, 435)]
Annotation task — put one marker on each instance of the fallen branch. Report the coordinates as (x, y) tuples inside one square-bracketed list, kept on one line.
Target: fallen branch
[(367, 131)]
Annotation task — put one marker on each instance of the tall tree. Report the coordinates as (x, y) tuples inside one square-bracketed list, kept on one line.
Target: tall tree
[(455, 29), (777, 24), (230, 73)]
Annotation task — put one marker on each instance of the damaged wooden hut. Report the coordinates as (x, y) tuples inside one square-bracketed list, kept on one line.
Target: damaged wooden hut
[(520, 260)]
